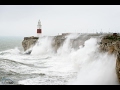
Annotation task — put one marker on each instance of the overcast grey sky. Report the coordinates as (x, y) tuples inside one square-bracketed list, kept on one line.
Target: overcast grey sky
[(21, 20)]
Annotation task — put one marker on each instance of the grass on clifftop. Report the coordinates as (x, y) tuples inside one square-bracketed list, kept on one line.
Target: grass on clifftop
[(111, 37)]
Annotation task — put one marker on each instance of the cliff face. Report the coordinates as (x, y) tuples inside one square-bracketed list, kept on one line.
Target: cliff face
[(58, 41), (28, 42), (118, 66), (111, 44)]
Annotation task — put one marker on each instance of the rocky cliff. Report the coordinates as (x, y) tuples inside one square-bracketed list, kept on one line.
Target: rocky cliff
[(29, 42), (58, 41), (108, 43), (111, 44)]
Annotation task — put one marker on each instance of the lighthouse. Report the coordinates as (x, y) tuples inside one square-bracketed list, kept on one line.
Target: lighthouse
[(39, 30)]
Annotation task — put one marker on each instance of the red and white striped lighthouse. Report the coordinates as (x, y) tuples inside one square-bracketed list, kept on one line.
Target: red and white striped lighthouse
[(39, 30)]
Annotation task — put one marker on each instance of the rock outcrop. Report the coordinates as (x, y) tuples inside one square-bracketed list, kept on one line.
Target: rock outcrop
[(111, 44), (29, 42)]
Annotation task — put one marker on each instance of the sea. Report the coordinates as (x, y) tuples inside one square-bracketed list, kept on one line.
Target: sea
[(68, 66)]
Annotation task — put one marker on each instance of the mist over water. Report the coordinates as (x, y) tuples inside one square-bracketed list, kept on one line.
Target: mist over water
[(68, 66)]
